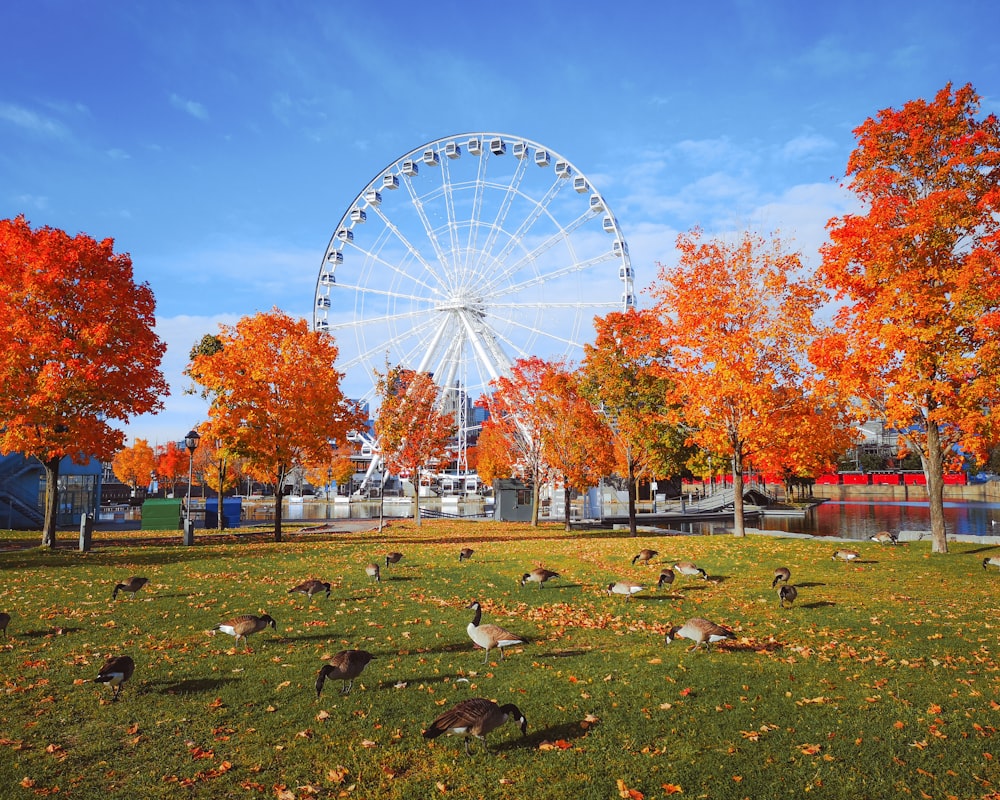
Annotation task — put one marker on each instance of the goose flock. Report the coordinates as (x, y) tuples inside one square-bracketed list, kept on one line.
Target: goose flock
[(476, 717)]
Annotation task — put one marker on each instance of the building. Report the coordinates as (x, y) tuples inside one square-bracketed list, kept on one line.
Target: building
[(22, 492)]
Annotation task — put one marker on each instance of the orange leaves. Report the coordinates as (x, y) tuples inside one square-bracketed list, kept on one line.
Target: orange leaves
[(413, 431), (628, 794)]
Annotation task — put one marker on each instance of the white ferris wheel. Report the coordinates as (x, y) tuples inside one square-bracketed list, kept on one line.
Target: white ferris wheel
[(464, 255)]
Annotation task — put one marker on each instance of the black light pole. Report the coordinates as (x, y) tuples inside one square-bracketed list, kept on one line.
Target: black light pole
[(191, 443)]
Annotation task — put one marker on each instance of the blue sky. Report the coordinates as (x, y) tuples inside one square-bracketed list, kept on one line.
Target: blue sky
[(220, 142)]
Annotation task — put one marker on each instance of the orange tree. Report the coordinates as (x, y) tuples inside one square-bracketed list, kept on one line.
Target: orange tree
[(275, 396), (411, 429), (625, 374), (134, 465), (915, 342), (737, 319), (514, 435), (171, 465), (79, 349), (577, 444)]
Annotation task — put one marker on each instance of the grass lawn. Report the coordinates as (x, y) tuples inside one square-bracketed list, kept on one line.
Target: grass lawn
[(880, 681)]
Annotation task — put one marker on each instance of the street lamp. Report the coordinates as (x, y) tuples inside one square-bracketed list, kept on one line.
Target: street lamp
[(191, 443)]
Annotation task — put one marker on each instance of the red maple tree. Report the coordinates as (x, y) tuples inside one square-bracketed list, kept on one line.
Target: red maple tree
[(79, 349), (917, 275)]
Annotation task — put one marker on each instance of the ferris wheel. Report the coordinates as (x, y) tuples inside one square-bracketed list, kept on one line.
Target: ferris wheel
[(464, 255)]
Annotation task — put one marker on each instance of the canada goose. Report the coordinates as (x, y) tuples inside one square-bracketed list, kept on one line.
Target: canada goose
[(132, 585), (689, 569), (115, 672), (700, 631), (5, 621), (539, 576), (465, 553), (626, 588), (311, 587), (885, 537), (476, 716), (344, 666), (373, 571), (392, 558), (490, 636), (787, 593), (845, 555), (781, 575), (645, 556), (245, 625), (992, 561), (666, 576)]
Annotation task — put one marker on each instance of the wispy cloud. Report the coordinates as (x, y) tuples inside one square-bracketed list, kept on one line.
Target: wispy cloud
[(192, 107), (806, 146), (32, 122)]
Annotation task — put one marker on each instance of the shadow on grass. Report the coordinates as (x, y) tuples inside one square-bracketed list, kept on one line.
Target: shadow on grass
[(308, 637), (191, 685), (45, 633), (566, 731), (752, 647), (809, 584), (564, 653), (818, 604)]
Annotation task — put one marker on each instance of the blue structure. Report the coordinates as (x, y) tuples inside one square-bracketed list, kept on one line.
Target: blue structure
[(22, 492)]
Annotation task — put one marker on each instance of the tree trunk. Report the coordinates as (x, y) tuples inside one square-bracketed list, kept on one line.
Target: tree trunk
[(632, 480), (51, 501), (534, 503), (416, 498), (222, 482), (738, 527), (279, 501), (566, 493), (934, 473)]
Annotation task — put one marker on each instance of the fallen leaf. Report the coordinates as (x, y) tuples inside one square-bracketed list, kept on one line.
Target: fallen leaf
[(673, 788), (368, 743)]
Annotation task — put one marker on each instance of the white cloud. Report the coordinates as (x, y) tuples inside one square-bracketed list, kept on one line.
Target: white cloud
[(806, 146), (32, 122), (195, 109)]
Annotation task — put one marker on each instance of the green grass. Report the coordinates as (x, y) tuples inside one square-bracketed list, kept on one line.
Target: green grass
[(882, 680)]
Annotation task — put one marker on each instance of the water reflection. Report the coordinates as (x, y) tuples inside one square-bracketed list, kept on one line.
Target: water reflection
[(861, 519)]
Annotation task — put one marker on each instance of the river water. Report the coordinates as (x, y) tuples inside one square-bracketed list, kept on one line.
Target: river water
[(860, 519)]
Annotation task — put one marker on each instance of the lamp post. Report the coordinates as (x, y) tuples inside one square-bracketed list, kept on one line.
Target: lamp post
[(191, 443)]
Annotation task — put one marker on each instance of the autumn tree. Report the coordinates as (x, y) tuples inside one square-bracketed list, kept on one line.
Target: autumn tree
[(79, 350), (412, 430), (275, 396), (577, 444), (134, 465), (737, 319), (813, 433), (626, 374), (171, 465), (917, 274), (517, 425)]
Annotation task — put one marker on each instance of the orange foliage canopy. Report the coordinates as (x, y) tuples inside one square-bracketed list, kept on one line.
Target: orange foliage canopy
[(625, 372), (275, 396), (737, 319), (78, 350), (412, 429), (134, 465), (916, 342)]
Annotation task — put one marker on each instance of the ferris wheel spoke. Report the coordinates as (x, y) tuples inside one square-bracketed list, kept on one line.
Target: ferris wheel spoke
[(560, 236), (371, 291), (395, 341), (524, 229), (559, 272), (384, 319), (429, 232), (412, 249), (501, 217), (375, 259)]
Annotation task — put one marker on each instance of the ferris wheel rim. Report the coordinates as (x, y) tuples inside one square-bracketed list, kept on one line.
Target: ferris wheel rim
[(490, 347)]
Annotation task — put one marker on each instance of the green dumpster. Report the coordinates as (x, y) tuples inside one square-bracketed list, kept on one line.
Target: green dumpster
[(161, 515)]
